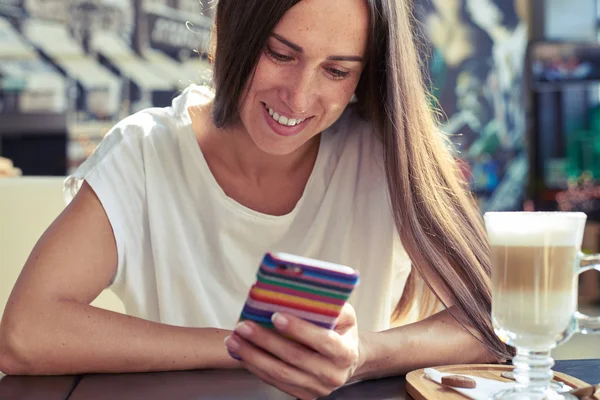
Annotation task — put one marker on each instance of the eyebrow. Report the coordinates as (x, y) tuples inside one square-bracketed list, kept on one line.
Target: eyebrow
[(299, 49)]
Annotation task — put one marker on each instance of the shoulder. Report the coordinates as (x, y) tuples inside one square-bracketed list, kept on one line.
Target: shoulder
[(355, 162), (158, 127), (165, 123), (149, 137), (353, 131), (356, 142)]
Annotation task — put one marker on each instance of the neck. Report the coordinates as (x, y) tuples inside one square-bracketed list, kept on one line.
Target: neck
[(255, 164), (236, 149)]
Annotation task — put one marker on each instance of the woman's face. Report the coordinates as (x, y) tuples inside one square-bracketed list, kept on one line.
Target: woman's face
[(306, 74)]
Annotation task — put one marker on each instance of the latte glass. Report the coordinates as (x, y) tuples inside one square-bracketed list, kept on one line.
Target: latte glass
[(536, 262)]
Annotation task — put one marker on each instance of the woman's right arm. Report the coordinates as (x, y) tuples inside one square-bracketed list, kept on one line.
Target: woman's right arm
[(49, 328)]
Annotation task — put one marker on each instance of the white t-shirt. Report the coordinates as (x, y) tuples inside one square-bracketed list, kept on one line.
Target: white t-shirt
[(188, 254)]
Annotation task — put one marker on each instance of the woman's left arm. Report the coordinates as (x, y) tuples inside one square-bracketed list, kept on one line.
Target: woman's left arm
[(436, 340)]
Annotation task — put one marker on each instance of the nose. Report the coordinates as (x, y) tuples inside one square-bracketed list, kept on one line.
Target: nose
[(297, 93)]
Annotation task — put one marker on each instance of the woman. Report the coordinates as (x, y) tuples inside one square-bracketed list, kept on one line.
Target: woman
[(178, 205)]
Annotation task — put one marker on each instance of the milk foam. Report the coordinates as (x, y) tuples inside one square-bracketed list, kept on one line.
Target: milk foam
[(525, 229)]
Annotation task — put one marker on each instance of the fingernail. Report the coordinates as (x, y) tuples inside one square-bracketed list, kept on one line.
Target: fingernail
[(243, 329), (232, 343), (279, 320)]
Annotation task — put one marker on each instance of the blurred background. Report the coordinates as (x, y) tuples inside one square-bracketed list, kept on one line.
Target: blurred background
[(518, 82), (70, 68)]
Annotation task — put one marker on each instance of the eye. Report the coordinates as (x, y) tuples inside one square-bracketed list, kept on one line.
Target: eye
[(277, 56), (337, 74)]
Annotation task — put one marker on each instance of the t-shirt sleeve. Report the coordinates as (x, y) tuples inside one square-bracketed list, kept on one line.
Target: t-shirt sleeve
[(115, 171)]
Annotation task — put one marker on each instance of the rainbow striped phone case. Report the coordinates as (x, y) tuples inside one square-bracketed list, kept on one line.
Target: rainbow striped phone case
[(310, 289)]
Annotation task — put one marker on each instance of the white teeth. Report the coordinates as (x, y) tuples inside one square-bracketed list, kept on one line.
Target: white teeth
[(284, 120)]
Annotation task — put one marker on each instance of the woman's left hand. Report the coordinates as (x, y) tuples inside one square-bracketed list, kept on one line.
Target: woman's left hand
[(312, 363)]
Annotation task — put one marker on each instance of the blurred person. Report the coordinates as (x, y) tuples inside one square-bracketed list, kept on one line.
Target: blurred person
[(316, 138)]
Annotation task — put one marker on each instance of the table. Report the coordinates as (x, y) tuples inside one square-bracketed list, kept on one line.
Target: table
[(218, 385), (37, 387)]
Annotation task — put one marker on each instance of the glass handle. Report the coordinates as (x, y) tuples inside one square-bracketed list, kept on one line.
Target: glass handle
[(585, 323)]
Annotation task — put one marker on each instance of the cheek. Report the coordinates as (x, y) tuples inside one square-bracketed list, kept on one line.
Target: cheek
[(262, 80), (342, 93), (265, 75), (350, 87)]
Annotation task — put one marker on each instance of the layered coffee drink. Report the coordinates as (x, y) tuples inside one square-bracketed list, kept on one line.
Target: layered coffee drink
[(534, 286), (536, 261)]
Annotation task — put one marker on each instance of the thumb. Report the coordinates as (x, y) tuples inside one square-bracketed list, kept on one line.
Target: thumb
[(346, 320)]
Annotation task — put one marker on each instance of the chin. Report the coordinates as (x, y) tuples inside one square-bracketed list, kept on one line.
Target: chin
[(273, 144)]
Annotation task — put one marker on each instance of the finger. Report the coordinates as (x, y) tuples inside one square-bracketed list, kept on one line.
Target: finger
[(328, 343), (293, 353), (276, 369)]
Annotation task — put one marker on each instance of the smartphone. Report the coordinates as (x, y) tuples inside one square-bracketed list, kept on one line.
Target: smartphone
[(313, 290)]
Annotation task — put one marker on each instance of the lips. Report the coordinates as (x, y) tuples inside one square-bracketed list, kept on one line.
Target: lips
[(283, 120), (283, 130)]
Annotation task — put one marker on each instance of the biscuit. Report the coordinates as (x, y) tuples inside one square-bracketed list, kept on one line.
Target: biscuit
[(588, 391), (459, 381)]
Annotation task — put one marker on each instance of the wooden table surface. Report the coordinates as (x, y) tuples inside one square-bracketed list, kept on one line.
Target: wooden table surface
[(218, 385)]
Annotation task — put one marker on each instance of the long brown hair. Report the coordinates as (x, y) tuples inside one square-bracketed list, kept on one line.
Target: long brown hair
[(436, 217)]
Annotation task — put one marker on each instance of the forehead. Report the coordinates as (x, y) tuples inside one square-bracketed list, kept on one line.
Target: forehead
[(337, 26)]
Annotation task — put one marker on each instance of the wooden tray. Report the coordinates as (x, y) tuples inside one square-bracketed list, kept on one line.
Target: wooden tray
[(419, 387)]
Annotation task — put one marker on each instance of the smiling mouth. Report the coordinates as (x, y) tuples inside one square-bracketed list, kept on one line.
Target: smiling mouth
[(281, 120)]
